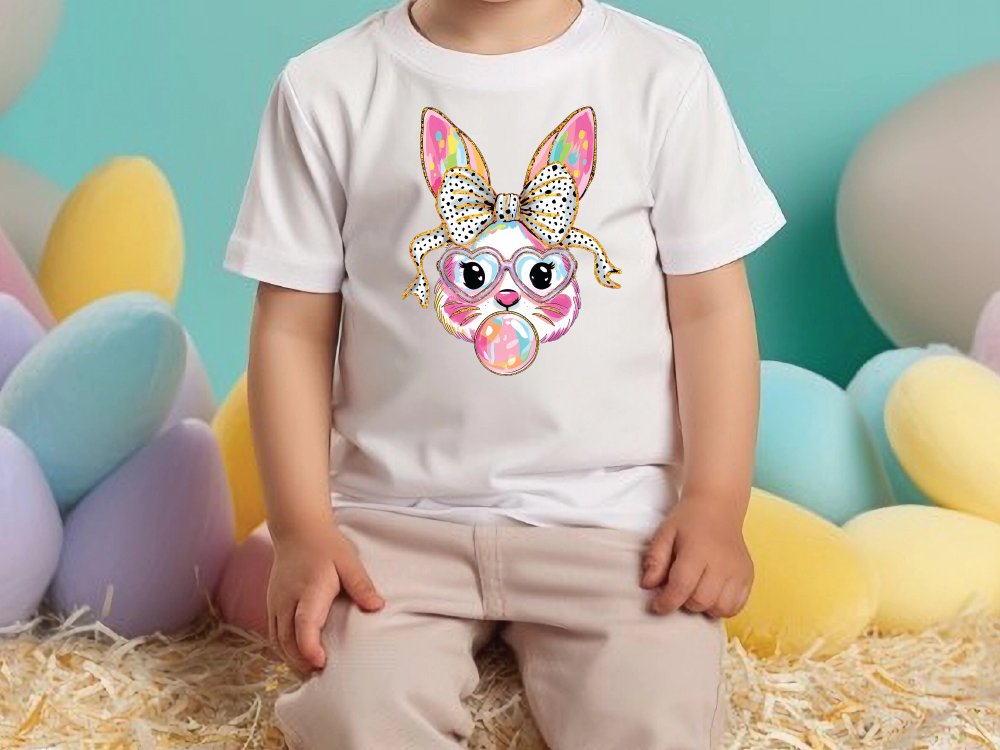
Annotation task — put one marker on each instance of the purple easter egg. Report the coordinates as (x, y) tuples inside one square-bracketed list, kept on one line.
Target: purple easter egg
[(194, 399), (31, 531), (145, 549), (242, 592), (17, 281), (986, 345), (19, 332)]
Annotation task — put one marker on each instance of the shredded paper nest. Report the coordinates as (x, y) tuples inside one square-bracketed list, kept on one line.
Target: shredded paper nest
[(73, 686)]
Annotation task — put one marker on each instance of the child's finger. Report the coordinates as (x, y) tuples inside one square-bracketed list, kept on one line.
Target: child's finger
[(682, 579), (286, 640), (354, 578), (656, 561), (310, 615), (727, 604), (706, 593)]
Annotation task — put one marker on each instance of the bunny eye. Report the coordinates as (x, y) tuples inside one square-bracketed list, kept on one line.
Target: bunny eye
[(538, 274), (541, 275), (473, 275)]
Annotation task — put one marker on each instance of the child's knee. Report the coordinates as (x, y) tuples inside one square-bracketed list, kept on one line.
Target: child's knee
[(372, 704)]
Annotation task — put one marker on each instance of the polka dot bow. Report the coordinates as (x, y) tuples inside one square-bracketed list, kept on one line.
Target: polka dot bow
[(546, 206)]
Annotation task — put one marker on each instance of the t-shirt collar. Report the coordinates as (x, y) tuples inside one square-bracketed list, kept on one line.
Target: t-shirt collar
[(503, 71)]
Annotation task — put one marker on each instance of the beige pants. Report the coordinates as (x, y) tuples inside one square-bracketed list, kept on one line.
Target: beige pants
[(600, 671)]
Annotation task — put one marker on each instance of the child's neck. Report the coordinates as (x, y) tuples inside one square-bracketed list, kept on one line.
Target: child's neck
[(493, 28)]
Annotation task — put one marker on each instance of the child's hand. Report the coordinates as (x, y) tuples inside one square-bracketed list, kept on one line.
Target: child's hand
[(699, 558), (309, 571)]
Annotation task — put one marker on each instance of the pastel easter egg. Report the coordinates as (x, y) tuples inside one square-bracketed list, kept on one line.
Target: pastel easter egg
[(506, 343), (16, 280), (194, 399), (986, 344), (31, 531), (232, 429), (97, 387), (916, 217), (19, 332), (242, 592), (119, 230), (29, 204), (810, 582), (943, 421), (29, 26), (930, 564), (146, 548), (869, 390), (813, 447)]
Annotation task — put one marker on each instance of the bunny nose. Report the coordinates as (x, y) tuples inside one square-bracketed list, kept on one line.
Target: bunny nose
[(507, 297)]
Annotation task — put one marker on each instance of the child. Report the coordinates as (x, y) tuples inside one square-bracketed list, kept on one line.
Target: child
[(429, 211)]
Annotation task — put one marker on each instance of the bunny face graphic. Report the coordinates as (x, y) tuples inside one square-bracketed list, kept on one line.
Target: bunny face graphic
[(507, 270)]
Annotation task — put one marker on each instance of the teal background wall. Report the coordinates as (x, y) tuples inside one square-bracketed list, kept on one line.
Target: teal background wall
[(185, 82)]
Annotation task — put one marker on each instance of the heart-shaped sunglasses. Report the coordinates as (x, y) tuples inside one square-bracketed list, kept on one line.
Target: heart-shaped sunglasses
[(473, 274)]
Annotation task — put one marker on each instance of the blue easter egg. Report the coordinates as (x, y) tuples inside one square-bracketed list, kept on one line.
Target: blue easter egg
[(869, 390), (31, 531), (145, 549), (813, 447), (19, 332), (97, 387)]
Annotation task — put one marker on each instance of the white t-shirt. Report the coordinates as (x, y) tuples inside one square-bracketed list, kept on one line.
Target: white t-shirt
[(499, 226)]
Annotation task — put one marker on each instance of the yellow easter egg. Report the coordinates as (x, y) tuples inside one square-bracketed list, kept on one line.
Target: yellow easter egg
[(943, 422), (119, 230), (929, 564), (232, 429), (810, 582)]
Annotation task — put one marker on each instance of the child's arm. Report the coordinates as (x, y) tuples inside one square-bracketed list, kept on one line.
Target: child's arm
[(292, 348), (699, 550)]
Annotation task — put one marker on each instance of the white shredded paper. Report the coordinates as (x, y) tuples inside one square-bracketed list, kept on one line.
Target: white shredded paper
[(74, 685)]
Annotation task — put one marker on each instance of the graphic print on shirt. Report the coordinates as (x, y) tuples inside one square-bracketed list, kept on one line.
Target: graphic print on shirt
[(507, 273)]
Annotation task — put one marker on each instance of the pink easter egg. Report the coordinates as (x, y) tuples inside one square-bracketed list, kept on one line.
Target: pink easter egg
[(986, 344), (16, 280), (506, 343), (242, 592), (19, 332)]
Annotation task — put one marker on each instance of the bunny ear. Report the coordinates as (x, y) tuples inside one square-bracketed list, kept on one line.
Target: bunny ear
[(443, 146), (574, 144)]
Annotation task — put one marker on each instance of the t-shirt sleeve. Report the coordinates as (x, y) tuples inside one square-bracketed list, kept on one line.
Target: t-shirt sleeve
[(288, 231), (710, 204)]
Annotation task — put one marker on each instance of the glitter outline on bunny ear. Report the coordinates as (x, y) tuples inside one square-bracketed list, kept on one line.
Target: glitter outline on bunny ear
[(548, 143), (426, 242), (603, 267)]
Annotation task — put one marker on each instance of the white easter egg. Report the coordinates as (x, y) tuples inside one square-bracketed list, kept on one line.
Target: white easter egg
[(27, 28), (917, 213), (31, 531), (29, 204)]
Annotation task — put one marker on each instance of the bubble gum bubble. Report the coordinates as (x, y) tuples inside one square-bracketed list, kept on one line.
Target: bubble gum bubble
[(506, 343)]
